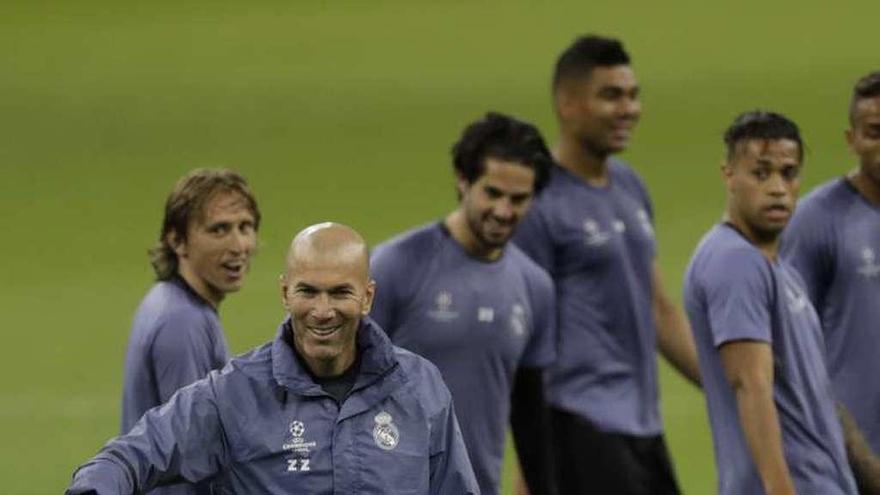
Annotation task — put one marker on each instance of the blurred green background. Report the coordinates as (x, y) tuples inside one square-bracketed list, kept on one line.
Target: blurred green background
[(345, 111)]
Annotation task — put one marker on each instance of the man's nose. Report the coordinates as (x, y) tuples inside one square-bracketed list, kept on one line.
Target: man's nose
[(323, 309), (503, 208)]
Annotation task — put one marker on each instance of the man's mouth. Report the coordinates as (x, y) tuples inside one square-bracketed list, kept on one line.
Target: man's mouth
[(777, 211), (324, 331), (234, 269)]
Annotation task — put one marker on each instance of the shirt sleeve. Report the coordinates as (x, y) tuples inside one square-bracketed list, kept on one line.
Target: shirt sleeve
[(533, 237), (541, 349), (182, 352), (738, 289), (451, 471), (809, 248), (386, 302), (182, 440)]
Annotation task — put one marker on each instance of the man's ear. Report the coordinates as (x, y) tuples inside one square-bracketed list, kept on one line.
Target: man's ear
[(177, 243), (282, 284), (849, 135), (462, 185), (368, 297)]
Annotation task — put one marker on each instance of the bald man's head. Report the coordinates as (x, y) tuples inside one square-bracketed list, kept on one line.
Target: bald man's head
[(326, 289), (331, 243)]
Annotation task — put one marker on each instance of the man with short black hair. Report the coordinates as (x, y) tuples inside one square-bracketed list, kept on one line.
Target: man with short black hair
[(208, 235), (329, 406), (592, 230), (834, 242), (760, 344), (458, 293)]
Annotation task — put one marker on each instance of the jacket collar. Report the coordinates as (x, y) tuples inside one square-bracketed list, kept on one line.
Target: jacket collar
[(375, 351)]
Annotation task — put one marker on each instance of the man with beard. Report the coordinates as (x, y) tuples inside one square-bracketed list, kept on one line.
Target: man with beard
[(458, 293), (834, 242), (592, 230), (760, 344), (330, 406)]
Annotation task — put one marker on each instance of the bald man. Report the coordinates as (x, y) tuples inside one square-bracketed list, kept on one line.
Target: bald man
[(329, 406)]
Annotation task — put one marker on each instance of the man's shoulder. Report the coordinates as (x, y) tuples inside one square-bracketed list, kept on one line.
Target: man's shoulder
[(533, 273), (409, 242), (255, 364), (624, 174), (827, 196), (723, 249), (424, 379), (167, 304)]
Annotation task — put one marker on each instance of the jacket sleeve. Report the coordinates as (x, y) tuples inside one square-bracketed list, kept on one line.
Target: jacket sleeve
[(451, 471), (182, 440)]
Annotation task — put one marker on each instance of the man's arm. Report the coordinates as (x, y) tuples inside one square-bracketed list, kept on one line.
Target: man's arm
[(179, 441), (865, 465), (748, 367), (674, 337), (450, 467), (530, 424)]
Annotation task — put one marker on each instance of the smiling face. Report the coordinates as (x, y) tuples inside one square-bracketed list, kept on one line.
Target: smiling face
[(600, 110), (327, 291), (494, 204), (215, 256), (864, 138), (763, 179)]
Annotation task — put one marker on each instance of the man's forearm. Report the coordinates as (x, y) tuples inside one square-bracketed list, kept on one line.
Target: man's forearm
[(674, 337), (675, 341), (864, 463), (760, 424), (102, 476)]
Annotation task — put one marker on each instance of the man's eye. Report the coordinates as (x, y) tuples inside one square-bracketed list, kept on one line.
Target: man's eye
[(791, 173), (761, 174), (519, 199)]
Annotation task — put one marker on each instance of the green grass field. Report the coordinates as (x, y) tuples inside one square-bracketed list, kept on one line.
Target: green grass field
[(345, 111)]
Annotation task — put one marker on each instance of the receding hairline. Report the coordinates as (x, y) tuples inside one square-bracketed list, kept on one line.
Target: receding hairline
[(328, 240)]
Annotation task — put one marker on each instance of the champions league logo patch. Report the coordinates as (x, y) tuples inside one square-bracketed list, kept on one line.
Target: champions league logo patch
[(297, 429), (593, 234), (385, 433), (299, 447), (444, 310)]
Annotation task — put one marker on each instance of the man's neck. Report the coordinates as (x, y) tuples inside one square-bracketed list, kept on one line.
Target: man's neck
[(867, 188), (590, 166), (461, 232), (199, 287), (768, 247)]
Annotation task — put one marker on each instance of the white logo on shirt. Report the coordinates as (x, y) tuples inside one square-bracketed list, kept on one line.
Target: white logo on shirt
[(518, 320), (299, 447), (385, 433), (618, 226), (443, 307), (593, 233), (485, 315), (870, 268), (797, 301), (645, 222)]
